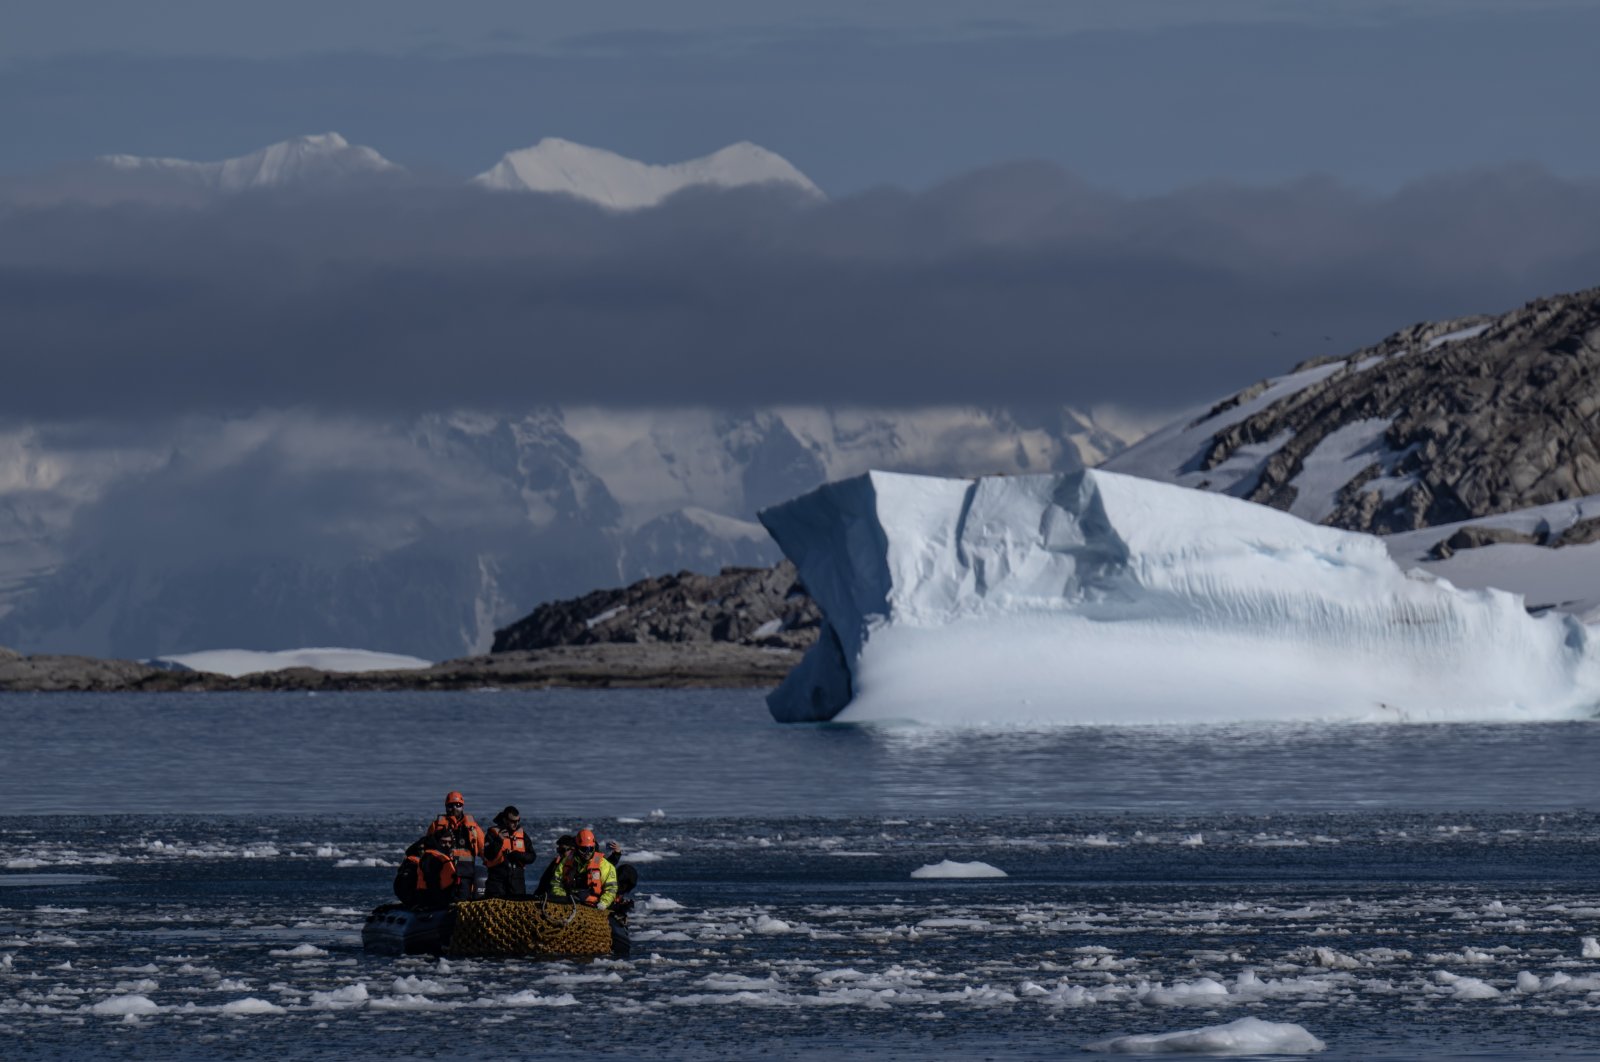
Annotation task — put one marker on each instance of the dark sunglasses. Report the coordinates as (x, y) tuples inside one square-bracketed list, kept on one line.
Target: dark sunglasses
[(455, 804)]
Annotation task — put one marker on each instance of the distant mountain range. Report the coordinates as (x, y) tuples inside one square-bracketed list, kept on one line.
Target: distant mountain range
[(424, 537), (328, 161)]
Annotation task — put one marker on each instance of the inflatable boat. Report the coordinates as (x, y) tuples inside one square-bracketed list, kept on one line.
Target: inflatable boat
[(497, 928)]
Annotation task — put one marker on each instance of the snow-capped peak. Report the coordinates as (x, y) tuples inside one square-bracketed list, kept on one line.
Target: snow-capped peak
[(316, 159), (621, 183)]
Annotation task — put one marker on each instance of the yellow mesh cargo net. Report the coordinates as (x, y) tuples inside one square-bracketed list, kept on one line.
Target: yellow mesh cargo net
[(519, 928)]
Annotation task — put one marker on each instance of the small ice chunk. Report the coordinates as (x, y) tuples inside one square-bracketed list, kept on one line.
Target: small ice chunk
[(768, 924), (529, 998), (131, 1004), (951, 869), (660, 903), (299, 951), (1591, 948), (1247, 1036), (1467, 987), (348, 996), (251, 1005)]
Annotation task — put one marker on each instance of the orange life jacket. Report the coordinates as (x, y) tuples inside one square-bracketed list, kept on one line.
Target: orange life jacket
[(436, 871), (517, 842), (468, 834), (587, 883)]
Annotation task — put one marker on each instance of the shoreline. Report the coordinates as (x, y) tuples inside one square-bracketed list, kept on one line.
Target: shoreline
[(615, 665)]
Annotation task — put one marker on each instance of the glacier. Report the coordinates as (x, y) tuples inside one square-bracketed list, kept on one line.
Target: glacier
[(1093, 597)]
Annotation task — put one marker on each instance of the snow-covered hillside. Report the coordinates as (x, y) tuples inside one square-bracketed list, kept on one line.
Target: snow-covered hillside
[(1478, 431), (621, 183), (1092, 597), (423, 537), (326, 158)]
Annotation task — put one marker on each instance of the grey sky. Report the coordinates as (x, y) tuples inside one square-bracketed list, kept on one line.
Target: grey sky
[(251, 29), (1138, 97)]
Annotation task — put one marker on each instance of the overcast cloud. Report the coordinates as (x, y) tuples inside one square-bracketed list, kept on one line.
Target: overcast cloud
[(1016, 285)]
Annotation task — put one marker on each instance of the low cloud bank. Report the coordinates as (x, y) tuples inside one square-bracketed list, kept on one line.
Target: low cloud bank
[(1013, 285)]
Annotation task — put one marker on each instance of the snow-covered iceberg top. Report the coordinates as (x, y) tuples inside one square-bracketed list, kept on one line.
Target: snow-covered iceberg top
[(236, 662), (1098, 598)]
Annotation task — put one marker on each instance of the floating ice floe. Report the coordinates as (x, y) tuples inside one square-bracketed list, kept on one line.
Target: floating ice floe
[(251, 1005), (125, 1005), (299, 951), (1247, 1036), (950, 869), (1096, 598), (660, 903), (340, 998)]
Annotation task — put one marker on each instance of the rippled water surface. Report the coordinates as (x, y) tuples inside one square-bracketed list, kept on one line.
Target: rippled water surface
[(185, 877)]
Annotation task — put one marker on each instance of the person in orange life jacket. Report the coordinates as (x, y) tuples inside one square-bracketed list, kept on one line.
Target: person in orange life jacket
[(627, 877), (585, 875), (506, 852), (468, 834), (427, 875)]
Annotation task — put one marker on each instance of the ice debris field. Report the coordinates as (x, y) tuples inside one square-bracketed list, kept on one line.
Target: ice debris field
[(1097, 598), (821, 934)]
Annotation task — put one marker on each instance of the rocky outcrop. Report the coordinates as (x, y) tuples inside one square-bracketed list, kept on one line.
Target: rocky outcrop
[(744, 627), (20, 673), (1485, 415), (1473, 537), (754, 607)]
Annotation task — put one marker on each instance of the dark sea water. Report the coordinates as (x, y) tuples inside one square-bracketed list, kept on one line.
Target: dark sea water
[(185, 877)]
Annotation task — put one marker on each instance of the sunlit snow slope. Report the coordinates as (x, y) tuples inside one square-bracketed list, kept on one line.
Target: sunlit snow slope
[(1094, 597), (621, 183)]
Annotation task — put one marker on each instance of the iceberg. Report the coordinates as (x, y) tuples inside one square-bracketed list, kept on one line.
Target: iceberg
[(1091, 597)]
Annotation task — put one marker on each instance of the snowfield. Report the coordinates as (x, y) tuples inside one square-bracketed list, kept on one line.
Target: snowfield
[(1098, 598), (236, 662)]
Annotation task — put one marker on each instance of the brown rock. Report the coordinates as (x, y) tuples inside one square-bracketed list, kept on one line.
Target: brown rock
[(1504, 420)]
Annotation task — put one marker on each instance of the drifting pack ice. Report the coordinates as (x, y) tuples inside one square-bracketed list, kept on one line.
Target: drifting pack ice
[(1095, 598)]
